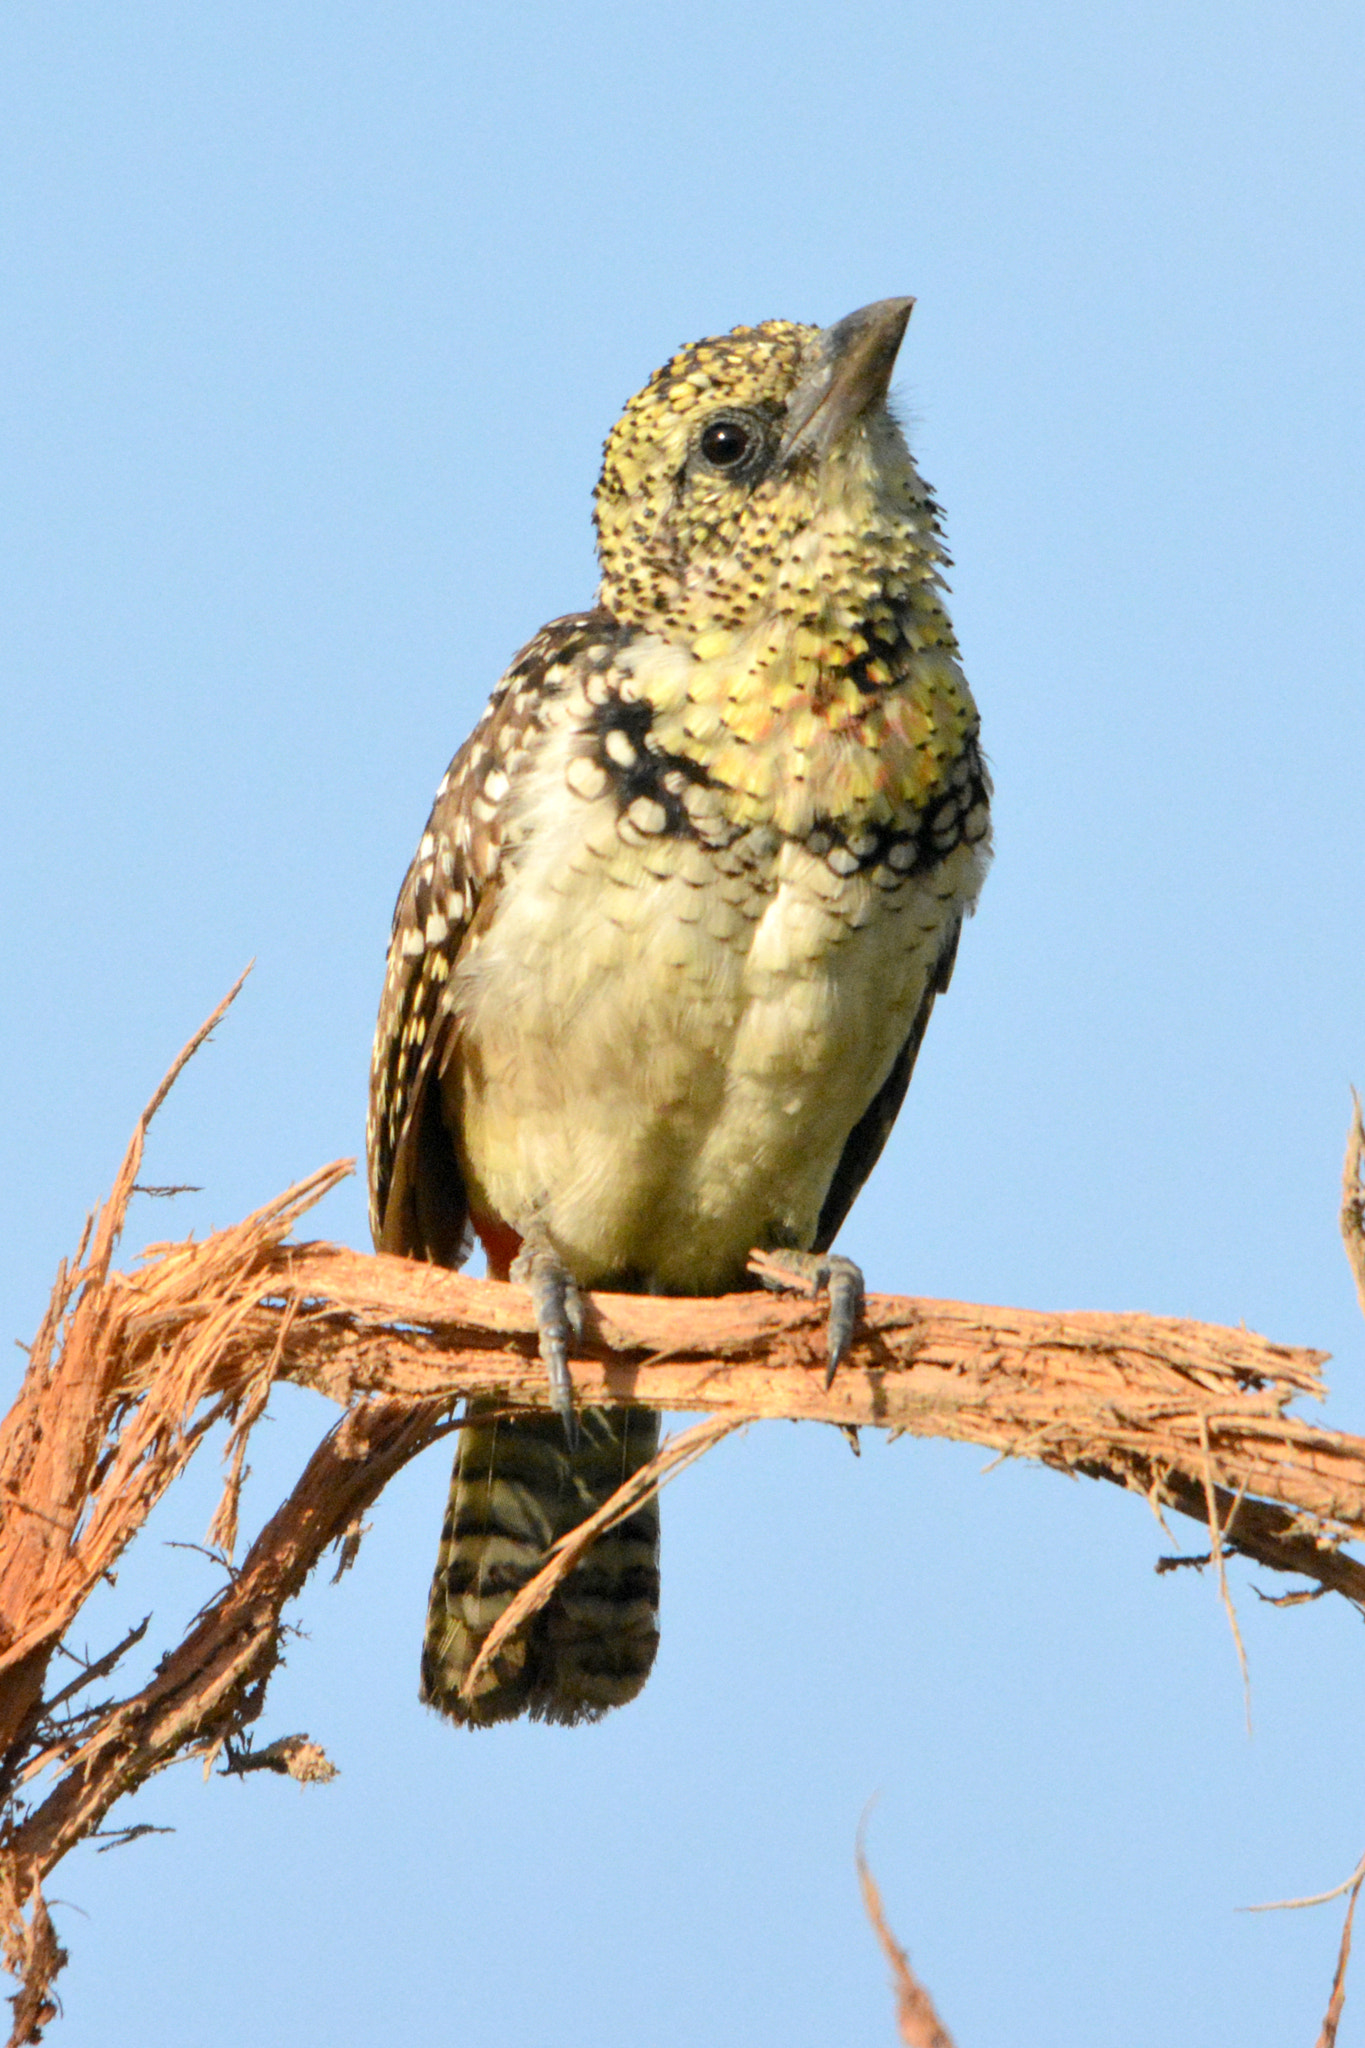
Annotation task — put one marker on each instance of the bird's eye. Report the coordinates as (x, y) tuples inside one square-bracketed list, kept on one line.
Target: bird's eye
[(726, 443)]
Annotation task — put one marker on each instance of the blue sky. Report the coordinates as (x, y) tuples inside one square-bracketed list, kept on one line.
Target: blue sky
[(316, 319)]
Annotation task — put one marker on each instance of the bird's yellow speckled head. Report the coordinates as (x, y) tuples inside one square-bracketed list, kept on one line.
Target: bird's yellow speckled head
[(760, 475)]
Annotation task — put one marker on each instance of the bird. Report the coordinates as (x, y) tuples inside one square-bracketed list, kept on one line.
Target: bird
[(661, 967)]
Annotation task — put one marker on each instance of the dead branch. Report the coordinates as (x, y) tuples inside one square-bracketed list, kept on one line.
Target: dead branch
[(130, 1369), (677, 1453), (917, 2021), (1353, 1199), (1336, 2003), (1145, 1401)]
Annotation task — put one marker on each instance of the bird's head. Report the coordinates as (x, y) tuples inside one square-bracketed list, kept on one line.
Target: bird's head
[(761, 474)]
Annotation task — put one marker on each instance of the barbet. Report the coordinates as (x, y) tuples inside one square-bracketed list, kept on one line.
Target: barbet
[(663, 962)]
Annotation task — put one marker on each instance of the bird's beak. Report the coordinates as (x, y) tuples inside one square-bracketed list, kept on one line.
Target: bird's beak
[(850, 371)]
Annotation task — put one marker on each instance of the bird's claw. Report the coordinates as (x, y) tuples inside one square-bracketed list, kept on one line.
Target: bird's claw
[(558, 1309), (840, 1278)]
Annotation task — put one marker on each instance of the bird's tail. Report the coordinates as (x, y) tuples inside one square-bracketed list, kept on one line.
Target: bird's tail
[(515, 1490)]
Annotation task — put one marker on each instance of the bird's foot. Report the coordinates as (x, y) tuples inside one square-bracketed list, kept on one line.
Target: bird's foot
[(810, 1272), (559, 1316)]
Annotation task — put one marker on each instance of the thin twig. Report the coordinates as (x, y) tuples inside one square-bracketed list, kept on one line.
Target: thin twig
[(1332, 2018), (673, 1457), (1353, 1199), (223, 1528), (101, 1667), (1216, 1544), (1314, 1899), (201, 1037), (917, 2022), (119, 1838)]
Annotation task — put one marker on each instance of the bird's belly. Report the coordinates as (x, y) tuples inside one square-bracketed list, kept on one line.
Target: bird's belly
[(660, 1063)]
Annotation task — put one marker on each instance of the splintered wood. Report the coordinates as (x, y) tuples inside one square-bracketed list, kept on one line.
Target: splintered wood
[(1154, 1403)]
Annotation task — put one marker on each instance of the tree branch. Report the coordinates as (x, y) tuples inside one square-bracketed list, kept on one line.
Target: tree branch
[(1129, 1398), (130, 1369)]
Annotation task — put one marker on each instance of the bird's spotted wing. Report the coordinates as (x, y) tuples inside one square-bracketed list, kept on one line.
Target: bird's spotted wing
[(417, 1198)]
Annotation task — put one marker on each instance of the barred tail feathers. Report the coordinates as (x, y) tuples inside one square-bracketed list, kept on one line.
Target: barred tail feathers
[(515, 1490)]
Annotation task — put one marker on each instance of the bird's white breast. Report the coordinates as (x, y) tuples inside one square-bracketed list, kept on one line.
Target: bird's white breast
[(663, 1047)]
